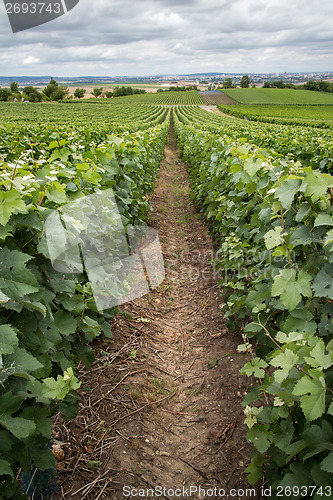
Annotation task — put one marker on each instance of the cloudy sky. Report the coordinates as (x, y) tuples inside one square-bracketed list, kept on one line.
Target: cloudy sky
[(149, 37)]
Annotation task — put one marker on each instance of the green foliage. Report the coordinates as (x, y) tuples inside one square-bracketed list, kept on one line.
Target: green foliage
[(47, 318), (312, 146), (14, 88), (5, 94), (32, 94), (245, 82), (55, 92), (315, 115), (271, 218), (97, 92), (278, 96), (79, 93)]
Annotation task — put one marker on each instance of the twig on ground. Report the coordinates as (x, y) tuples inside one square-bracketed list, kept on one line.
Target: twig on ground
[(231, 433), (145, 406)]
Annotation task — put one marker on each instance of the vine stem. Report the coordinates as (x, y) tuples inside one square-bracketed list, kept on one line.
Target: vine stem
[(281, 349), (13, 177), (284, 235)]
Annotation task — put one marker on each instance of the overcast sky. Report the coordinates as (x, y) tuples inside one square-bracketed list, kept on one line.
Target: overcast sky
[(149, 37)]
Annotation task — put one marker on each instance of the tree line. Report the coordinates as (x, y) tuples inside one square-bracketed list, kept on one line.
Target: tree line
[(316, 85), (55, 92), (178, 89)]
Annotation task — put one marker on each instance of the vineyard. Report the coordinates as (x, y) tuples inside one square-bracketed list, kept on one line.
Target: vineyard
[(281, 106), (265, 191), (278, 96), (166, 98)]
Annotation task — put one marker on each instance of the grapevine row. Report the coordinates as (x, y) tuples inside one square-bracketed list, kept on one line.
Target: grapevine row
[(271, 218), (48, 318)]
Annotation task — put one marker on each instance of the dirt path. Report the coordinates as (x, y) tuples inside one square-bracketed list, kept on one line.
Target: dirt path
[(162, 405), (215, 110)]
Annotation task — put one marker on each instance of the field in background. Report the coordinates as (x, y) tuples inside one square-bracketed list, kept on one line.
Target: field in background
[(190, 97), (278, 96), (216, 97), (316, 115)]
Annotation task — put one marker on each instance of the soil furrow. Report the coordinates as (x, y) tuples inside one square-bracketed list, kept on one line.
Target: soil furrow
[(175, 420)]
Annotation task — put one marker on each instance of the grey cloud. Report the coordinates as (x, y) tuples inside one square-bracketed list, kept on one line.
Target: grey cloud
[(172, 36)]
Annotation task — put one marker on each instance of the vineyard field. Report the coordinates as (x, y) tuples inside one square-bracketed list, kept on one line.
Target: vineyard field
[(271, 218), (265, 193), (166, 98), (278, 96), (49, 317), (315, 115), (312, 146)]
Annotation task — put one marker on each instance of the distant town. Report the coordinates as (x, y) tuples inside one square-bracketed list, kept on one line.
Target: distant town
[(201, 80)]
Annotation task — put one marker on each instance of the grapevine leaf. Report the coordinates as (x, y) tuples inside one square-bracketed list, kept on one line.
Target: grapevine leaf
[(300, 320), (321, 478), (259, 438), (330, 409), (327, 463), (313, 405), (10, 203), (43, 458), (323, 220), (9, 340), (64, 322), (57, 193), (285, 193), (58, 389), (254, 471), (317, 439), (323, 283), (41, 417), (302, 236), (303, 211), (251, 166), (15, 279), (5, 469), (318, 358), (329, 238), (317, 184), (23, 361), (254, 367), (298, 477), (20, 427), (3, 298), (291, 289), (286, 360), (273, 238), (285, 338), (8, 405)]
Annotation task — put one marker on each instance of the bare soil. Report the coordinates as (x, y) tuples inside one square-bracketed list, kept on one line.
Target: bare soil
[(218, 98), (216, 111), (162, 403)]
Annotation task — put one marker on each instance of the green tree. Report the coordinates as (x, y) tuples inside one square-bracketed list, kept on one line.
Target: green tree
[(245, 82), (228, 84), (4, 94), (59, 93), (108, 94), (51, 87), (55, 92), (14, 88), (32, 94), (278, 84), (79, 93), (97, 92)]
